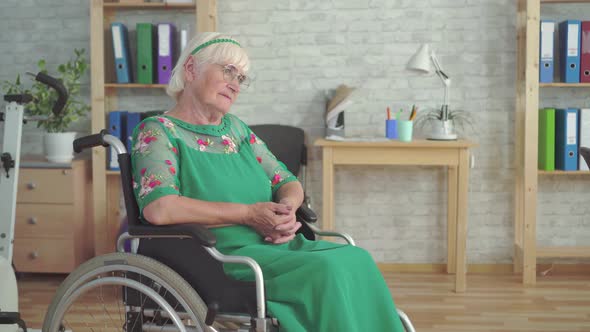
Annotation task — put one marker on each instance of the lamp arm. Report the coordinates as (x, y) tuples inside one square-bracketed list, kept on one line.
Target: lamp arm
[(439, 71), (446, 80), (445, 107)]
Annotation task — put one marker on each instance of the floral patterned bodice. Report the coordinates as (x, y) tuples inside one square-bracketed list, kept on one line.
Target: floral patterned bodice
[(223, 163)]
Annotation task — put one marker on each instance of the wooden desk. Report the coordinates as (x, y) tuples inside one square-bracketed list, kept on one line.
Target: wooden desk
[(453, 154)]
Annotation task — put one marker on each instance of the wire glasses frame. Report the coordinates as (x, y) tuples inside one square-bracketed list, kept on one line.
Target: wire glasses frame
[(231, 73)]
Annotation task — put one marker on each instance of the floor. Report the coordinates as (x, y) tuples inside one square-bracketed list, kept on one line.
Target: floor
[(491, 303)]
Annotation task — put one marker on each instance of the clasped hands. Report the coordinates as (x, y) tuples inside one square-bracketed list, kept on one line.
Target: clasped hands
[(276, 222)]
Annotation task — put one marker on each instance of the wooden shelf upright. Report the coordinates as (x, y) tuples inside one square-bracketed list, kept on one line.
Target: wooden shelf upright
[(105, 184), (526, 250)]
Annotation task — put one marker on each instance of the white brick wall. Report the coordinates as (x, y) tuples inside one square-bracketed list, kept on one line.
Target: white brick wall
[(301, 50)]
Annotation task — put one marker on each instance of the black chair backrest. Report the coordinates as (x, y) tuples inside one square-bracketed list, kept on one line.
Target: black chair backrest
[(286, 143)]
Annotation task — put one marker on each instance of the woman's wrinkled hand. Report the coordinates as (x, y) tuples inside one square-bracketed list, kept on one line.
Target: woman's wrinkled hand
[(285, 232), (264, 217), (276, 222)]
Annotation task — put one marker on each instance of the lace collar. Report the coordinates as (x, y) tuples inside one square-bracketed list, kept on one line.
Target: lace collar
[(212, 130)]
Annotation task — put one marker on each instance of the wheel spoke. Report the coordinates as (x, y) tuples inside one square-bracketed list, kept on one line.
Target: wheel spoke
[(104, 308), (118, 297), (84, 301)]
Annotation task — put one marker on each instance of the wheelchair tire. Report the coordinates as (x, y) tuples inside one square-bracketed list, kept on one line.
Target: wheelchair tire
[(94, 269)]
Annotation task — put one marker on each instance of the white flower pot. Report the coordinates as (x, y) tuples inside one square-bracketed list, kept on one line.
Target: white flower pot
[(442, 130), (58, 147)]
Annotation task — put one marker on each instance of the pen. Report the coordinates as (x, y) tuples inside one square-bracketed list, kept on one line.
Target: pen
[(414, 112), (388, 113), (401, 110)]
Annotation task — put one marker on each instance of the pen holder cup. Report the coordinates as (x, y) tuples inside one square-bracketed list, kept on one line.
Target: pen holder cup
[(405, 130), (391, 129)]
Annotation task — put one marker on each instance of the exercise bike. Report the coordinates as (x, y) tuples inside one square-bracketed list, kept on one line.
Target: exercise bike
[(14, 117)]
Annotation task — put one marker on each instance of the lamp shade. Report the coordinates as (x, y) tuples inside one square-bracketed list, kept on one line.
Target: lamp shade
[(420, 61)]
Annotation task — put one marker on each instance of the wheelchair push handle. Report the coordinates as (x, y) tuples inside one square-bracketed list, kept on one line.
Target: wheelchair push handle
[(57, 85), (90, 141)]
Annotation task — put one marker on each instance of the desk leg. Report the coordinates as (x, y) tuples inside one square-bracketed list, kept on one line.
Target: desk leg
[(461, 255), (452, 219), (328, 190)]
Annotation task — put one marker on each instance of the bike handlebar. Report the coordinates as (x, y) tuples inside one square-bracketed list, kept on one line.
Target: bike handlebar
[(62, 93)]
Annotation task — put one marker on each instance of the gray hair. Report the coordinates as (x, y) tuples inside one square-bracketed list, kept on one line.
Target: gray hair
[(214, 53)]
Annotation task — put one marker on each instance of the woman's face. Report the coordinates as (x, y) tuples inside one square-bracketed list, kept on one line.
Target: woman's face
[(214, 89)]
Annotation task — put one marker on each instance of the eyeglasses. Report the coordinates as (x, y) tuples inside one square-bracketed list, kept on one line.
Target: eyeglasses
[(230, 73)]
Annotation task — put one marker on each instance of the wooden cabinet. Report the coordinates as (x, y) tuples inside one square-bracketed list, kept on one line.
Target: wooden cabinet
[(53, 229), (526, 250), (104, 94)]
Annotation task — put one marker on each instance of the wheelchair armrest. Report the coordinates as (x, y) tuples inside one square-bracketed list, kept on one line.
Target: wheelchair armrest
[(317, 231), (306, 214), (195, 231)]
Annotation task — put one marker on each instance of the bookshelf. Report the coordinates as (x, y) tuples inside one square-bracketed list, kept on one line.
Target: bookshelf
[(148, 5), (134, 86), (557, 172), (106, 184), (526, 250), (564, 85)]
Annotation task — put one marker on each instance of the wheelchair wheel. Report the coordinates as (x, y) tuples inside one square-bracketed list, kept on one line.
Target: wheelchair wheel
[(125, 292)]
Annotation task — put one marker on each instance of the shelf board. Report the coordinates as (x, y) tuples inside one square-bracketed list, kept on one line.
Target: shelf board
[(557, 172), (113, 172), (563, 252), (148, 5), (134, 86), (565, 1), (565, 85)]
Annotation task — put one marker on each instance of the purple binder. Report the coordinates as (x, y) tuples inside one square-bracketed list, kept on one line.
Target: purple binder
[(166, 33)]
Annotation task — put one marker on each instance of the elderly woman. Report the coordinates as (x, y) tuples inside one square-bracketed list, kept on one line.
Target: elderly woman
[(199, 163)]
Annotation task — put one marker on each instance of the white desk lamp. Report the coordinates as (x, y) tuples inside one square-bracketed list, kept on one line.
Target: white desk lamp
[(421, 62)]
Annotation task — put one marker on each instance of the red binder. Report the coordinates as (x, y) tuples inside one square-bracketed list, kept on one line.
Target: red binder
[(585, 53)]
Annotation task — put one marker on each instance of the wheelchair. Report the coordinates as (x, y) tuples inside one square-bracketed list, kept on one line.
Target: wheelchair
[(151, 289)]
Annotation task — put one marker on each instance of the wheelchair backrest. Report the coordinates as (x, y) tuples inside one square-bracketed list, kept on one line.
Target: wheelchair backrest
[(286, 143), (128, 195)]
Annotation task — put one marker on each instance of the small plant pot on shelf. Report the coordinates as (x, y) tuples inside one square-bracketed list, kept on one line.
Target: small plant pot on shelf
[(58, 147)]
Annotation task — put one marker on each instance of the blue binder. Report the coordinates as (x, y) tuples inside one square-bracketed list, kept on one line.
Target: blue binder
[(133, 119), (117, 124), (121, 52), (566, 139), (546, 46), (569, 50)]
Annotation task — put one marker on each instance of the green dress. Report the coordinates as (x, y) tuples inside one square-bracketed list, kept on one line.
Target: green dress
[(310, 285)]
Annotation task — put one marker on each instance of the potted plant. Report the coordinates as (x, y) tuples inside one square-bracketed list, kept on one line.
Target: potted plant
[(444, 123), (57, 139)]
